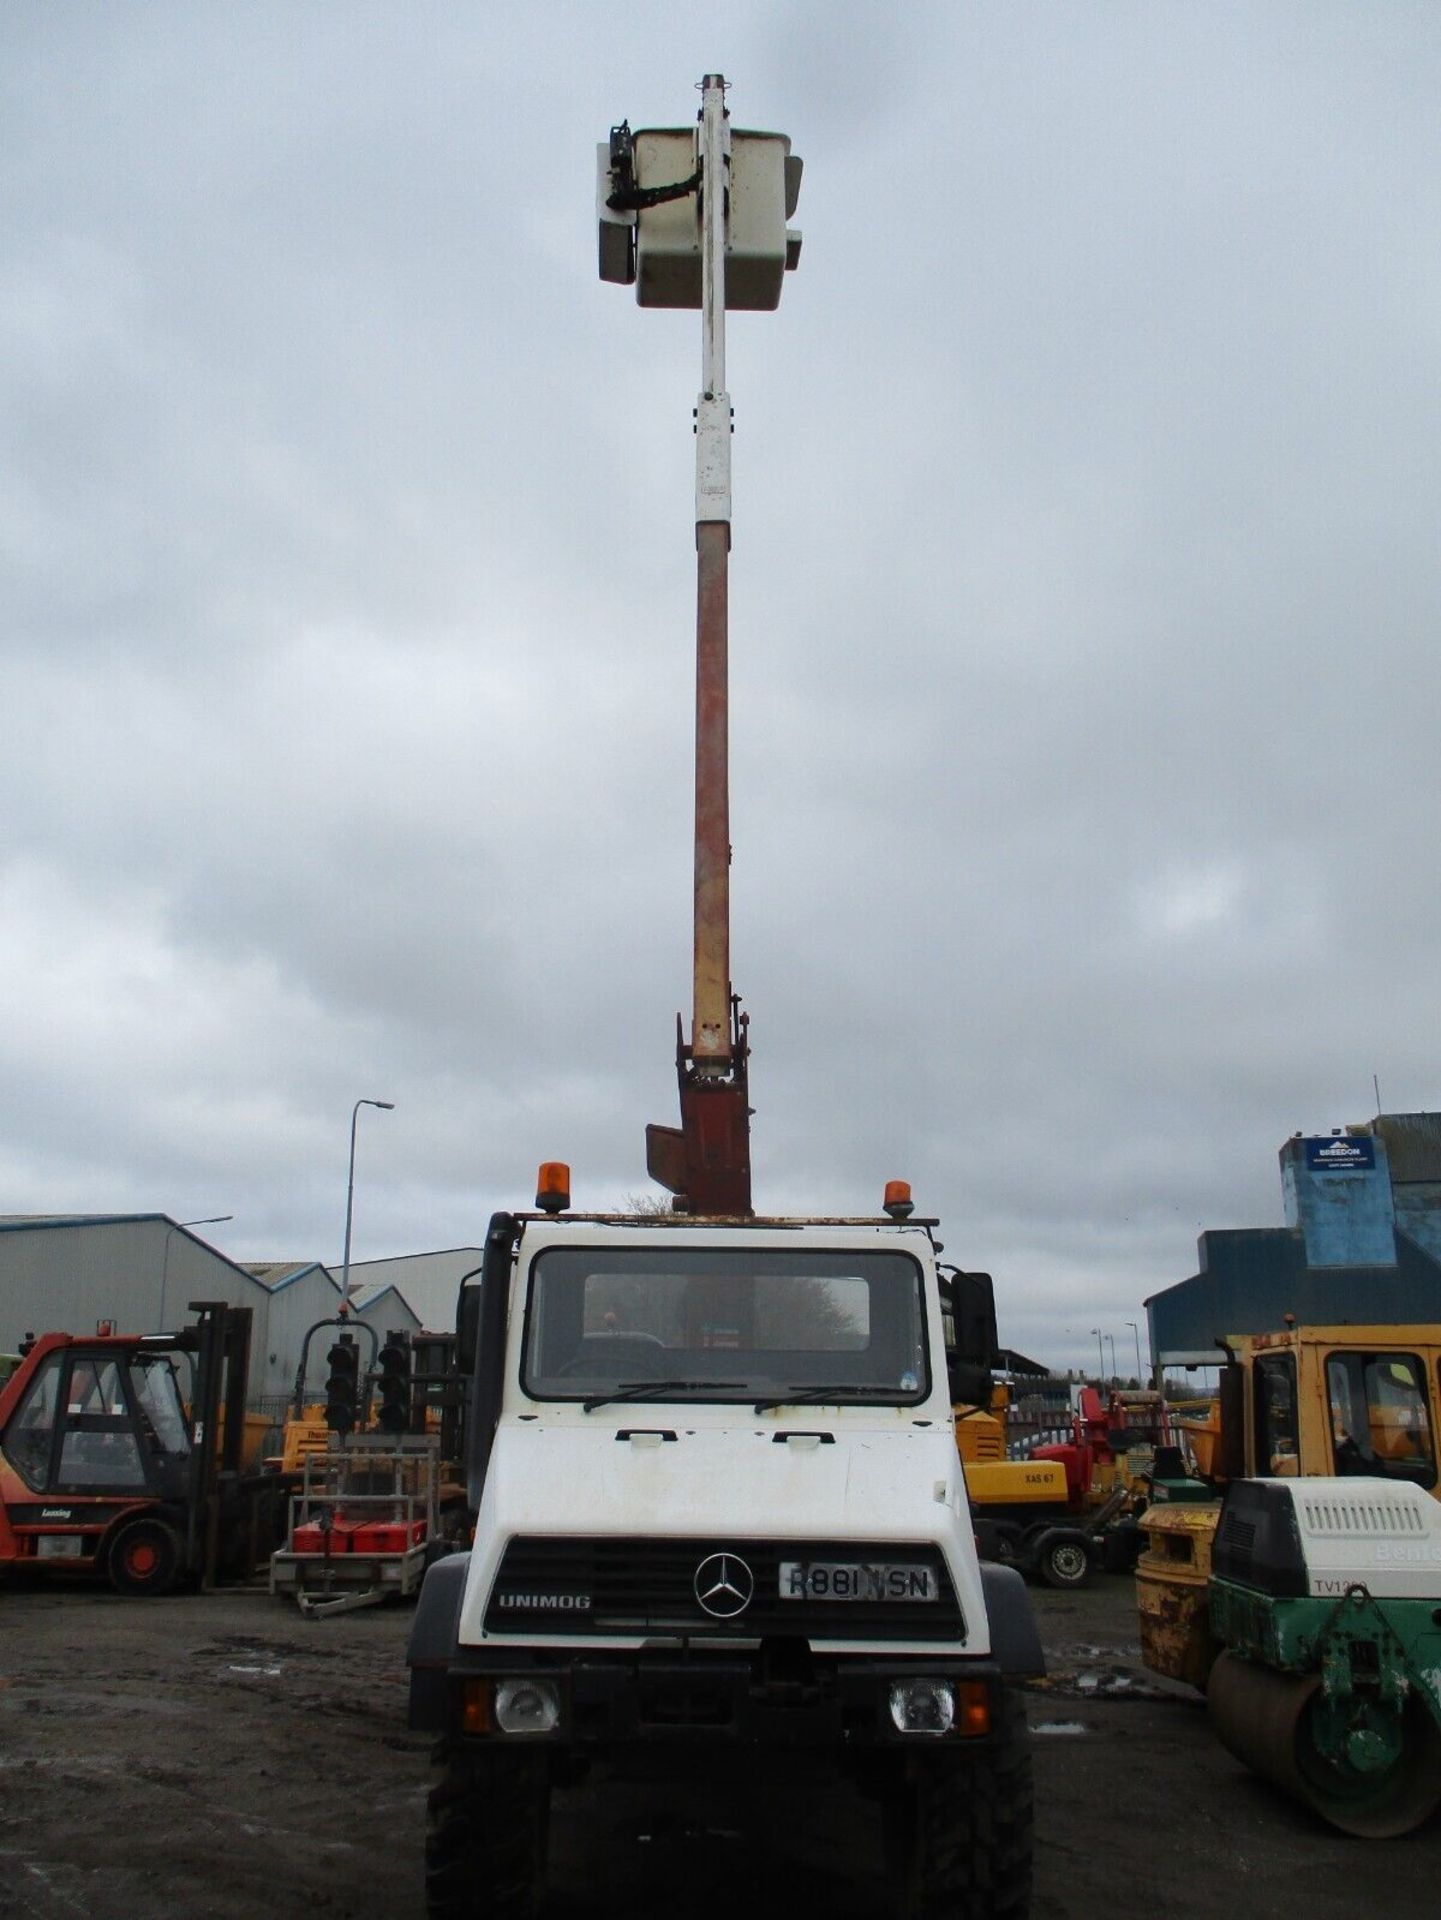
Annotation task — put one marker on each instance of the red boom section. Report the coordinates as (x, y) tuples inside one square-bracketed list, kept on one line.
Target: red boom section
[(706, 1163)]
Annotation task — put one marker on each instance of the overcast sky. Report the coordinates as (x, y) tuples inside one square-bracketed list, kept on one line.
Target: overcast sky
[(1084, 602)]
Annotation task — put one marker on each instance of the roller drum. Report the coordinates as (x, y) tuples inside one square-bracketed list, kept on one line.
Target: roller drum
[(1268, 1720)]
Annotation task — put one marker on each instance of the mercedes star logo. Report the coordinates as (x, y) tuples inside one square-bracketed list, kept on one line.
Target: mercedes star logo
[(724, 1585)]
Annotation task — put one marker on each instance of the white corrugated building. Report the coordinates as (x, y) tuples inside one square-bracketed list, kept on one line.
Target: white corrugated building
[(140, 1272)]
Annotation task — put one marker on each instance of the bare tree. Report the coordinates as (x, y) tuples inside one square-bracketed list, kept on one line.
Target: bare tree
[(647, 1205)]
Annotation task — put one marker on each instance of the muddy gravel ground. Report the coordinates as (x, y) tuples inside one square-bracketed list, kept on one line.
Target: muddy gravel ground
[(221, 1756)]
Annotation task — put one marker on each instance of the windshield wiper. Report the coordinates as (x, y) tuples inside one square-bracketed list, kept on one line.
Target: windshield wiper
[(653, 1390), (795, 1396)]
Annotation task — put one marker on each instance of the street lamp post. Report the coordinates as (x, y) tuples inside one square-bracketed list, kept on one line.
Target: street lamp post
[(1112, 1338), (1100, 1357), (389, 1107), (1140, 1377), (210, 1220)]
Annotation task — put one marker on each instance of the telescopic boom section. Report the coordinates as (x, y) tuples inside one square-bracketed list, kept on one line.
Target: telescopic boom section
[(711, 1024), (708, 1161)]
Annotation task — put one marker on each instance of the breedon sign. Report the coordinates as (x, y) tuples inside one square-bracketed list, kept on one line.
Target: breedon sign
[(1341, 1153)]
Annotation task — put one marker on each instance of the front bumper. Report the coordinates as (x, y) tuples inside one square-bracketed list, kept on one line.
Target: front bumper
[(612, 1701)]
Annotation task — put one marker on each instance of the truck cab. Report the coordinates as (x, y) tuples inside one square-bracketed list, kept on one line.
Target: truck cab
[(1346, 1400), (718, 1505)]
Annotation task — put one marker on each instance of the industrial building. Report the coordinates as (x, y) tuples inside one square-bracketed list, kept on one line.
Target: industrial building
[(140, 1271), (1361, 1244), (430, 1282)]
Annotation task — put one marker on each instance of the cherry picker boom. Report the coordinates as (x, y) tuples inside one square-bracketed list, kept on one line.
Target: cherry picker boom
[(734, 254)]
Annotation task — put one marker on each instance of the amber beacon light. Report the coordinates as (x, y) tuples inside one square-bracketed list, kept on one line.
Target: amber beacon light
[(898, 1202), (552, 1186)]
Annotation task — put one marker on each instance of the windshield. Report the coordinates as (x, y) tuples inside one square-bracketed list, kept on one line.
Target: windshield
[(159, 1398), (1379, 1420), (770, 1324)]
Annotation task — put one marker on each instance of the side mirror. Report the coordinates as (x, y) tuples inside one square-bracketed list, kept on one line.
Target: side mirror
[(970, 1384), (1231, 1393), (467, 1326)]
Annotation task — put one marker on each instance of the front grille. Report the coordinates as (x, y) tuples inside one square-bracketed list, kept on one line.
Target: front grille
[(648, 1586), (1239, 1537)]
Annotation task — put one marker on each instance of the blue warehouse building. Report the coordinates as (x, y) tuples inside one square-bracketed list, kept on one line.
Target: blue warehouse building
[(1361, 1243)]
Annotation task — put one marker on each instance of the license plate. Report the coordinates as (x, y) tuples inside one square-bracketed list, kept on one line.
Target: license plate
[(838, 1580), (61, 1546)]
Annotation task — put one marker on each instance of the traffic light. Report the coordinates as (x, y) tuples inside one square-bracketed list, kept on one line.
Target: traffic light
[(342, 1386), (394, 1361)]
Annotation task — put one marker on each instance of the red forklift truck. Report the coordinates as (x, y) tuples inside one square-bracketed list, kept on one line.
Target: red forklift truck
[(121, 1457)]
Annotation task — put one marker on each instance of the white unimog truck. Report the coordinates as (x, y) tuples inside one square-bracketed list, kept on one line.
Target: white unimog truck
[(720, 1508)]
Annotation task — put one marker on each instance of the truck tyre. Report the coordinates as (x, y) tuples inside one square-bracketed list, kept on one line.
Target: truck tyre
[(487, 1820), (144, 1559), (958, 1828), (1065, 1562)]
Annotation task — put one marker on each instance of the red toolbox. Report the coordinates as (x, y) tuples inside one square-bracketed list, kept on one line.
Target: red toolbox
[(388, 1536), (311, 1537)]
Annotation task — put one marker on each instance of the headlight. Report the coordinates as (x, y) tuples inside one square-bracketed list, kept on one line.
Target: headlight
[(922, 1706), (527, 1706)]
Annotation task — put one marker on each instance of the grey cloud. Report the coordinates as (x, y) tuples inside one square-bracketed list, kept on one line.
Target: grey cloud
[(1084, 577)]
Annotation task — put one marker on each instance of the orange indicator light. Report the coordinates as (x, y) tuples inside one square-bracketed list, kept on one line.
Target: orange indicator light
[(973, 1709), (552, 1186), (475, 1707)]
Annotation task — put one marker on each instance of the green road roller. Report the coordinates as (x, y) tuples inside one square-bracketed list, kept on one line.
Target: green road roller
[(1325, 1597)]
